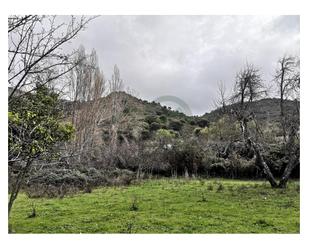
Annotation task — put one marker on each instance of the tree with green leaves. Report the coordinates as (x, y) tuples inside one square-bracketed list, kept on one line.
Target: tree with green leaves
[(36, 130)]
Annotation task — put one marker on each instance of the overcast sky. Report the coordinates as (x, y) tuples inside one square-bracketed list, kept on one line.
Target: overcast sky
[(186, 56)]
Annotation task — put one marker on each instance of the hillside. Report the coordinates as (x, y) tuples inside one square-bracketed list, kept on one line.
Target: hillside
[(139, 119), (267, 109)]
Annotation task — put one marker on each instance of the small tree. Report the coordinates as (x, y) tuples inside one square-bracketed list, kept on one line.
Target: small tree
[(248, 86), (222, 100), (35, 128)]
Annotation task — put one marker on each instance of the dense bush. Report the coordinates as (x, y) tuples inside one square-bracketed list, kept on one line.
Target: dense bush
[(202, 123), (192, 122), (175, 125), (197, 131), (58, 182), (164, 133), (163, 118), (145, 134), (151, 118), (154, 126)]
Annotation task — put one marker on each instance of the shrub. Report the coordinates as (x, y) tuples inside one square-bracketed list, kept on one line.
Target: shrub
[(154, 126), (145, 134), (210, 187), (175, 125), (163, 118), (197, 131), (203, 197), (134, 206), (202, 123), (220, 187), (58, 177), (165, 134), (151, 119), (121, 177), (192, 122)]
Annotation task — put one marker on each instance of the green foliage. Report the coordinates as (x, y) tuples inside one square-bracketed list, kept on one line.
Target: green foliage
[(192, 122), (154, 126), (134, 205), (197, 131), (165, 134), (175, 125), (202, 122), (35, 124), (223, 129), (186, 157), (220, 187), (163, 118), (210, 187), (151, 119)]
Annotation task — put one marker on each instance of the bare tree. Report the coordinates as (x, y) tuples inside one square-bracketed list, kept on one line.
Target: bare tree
[(222, 99), (85, 91), (35, 52), (287, 78), (116, 108), (248, 87)]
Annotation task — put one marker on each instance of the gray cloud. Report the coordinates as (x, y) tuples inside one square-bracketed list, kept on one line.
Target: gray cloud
[(186, 56)]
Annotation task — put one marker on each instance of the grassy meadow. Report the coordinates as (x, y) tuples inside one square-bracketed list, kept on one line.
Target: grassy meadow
[(165, 206)]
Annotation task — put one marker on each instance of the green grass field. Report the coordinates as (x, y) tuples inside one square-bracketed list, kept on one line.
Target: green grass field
[(166, 206)]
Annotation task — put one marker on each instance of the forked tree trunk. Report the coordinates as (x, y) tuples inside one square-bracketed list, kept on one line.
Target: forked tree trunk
[(263, 165), (260, 162), (288, 170)]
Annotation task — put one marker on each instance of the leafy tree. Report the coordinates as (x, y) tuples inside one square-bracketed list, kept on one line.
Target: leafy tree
[(224, 129), (35, 127)]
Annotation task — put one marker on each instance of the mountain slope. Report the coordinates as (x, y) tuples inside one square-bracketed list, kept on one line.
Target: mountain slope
[(139, 119)]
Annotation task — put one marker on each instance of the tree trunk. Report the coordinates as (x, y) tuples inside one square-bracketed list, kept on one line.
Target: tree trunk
[(260, 162), (263, 165), (287, 172), (18, 184)]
